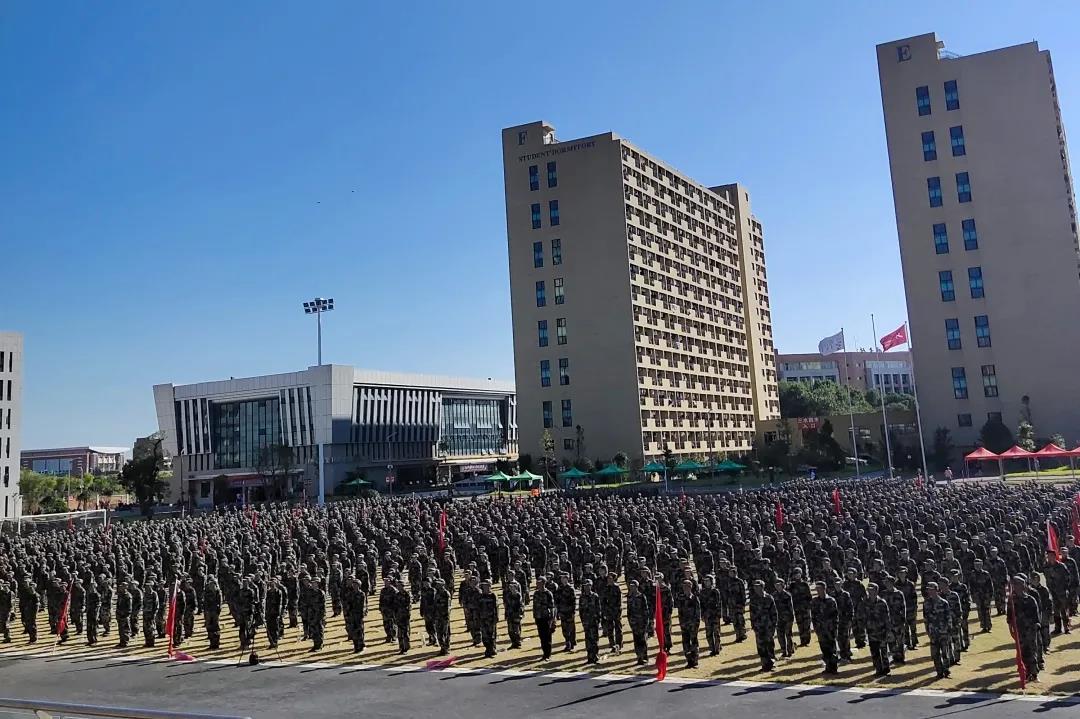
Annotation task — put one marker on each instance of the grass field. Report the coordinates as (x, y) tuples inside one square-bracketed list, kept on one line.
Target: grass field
[(988, 666)]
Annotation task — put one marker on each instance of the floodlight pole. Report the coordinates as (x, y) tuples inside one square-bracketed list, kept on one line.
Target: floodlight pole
[(318, 317), (316, 307)]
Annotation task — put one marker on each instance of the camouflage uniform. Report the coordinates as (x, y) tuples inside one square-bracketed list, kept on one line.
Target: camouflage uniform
[(735, 600), (937, 616), (611, 612), (354, 606), (211, 603), (441, 613), (93, 602), (7, 601), (878, 622), (638, 614), (315, 615), (149, 611), (689, 622), (543, 608), (982, 593), (276, 601), (514, 607), (800, 602), (402, 617), (763, 619), (785, 619), (1024, 615), (824, 615), (710, 614), (28, 609), (123, 613), (898, 618), (566, 603)]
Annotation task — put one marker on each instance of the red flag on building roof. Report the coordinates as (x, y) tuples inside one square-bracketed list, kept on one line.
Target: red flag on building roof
[(1052, 544), (658, 621), (836, 501), (894, 339)]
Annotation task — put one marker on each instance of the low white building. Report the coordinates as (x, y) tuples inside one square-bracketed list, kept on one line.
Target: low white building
[(377, 426), (11, 360)]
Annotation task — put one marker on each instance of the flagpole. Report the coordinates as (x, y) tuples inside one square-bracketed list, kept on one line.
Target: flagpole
[(851, 412), (881, 394), (915, 392)]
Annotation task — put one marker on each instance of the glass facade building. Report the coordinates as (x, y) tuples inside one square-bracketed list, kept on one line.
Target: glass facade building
[(474, 426), (241, 430)]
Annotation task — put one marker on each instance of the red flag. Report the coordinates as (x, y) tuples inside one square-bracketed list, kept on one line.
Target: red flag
[(71, 525), (836, 501), (658, 621), (442, 532), (62, 624), (170, 618), (1052, 541), (779, 515), (439, 663), (255, 519), (182, 656), (202, 546), (894, 339), (1076, 524), (1021, 670), (682, 496), (569, 514)]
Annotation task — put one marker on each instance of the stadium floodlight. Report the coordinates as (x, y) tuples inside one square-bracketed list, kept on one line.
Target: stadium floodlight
[(316, 307)]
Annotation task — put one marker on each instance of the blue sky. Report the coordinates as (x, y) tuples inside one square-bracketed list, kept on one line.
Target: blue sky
[(177, 177)]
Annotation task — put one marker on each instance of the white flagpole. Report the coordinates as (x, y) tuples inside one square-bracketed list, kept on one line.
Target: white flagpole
[(851, 412), (918, 414), (881, 394)]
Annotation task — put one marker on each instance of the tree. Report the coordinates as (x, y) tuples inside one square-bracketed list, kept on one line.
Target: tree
[(995, 436), (105, 485), (83, 489), (620, 460), (275, 464), (36, 489), (142, 477), (669, 458), (1025, 436), (547, 443), (1058, 439), (819, 399), (941, 454)]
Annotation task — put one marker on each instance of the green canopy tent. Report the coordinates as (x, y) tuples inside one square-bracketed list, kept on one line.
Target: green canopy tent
[(573, 475), (728, 466), (499, 479), (525, 476), (610, 471), (654, 467), (355, 485), (689, 465)]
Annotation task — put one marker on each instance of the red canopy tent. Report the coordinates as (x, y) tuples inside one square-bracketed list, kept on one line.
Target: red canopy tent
[(1051, 450), (982, 454), (1017, 452)]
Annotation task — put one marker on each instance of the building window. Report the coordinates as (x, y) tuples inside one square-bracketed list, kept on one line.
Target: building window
[(971, 235), (553, 177), (567, 414), (956, 138), (963, 187), (952, 98), (536, 215), (933, 188), (541, 294), (959, 383), (993, 416), (929, 147), (560, 330), (567, 443), (545, 373), (963, 420), (548, 420), (564, 370), (556, 252), (560, 295), (553, 212), (989, 375), (975, 282), (534, 178), (538, 254), (922, 100), (952, 333), (982, 330), (541, 332), (948, 292), (941, 239)]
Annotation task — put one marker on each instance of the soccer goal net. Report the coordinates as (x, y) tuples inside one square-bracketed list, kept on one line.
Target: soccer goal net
[(60, 521)]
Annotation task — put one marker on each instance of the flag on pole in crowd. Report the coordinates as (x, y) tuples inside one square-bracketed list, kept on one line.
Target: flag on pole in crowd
[(71, 525), (658, 621), (836, 501), (1021, 670), (442, 532), (1052, 544), (682, 496), (170, 617), (832, 344), (779, 515), (1075, 514), (255, 519), (62, 623), (894, 339)]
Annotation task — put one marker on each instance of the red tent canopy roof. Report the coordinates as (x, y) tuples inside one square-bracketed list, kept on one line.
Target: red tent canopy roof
[(1052, 450), (1016, 451), (980, 453)]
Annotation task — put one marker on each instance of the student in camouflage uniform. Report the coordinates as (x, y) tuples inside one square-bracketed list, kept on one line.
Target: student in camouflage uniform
[(93, 602), (709, 597), (1046, 611), (190, 604), (544, 612), (763, 619), (566, 604), (937, 616), (911, 605), (845, 613), (735, 599), (314, 617), (123, 613), (982, 592), (245, 617), (785, 619), (78, 604), (487, 615), (105, 589), (514, 608), (800, 602), (354, 606), (427, 597), (878, 623), (276, 601), (402, 616), (897, 617), (824, 615), (1025, 624), (955, 608), (589, 610), (689, 621), (163, 609), (638, 614), (55, 594), (441, 613), (1058, 581), (149, 612), (7, 601), (211, 603), (136, 605), (964, 615), (857, 592), (386, 610), (611, 601)]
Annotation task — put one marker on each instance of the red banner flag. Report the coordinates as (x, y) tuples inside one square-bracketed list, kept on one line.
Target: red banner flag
[(61, 625), (1076, 524), (170, 618), (779, 515), (255, 519), (435, 664), (71, 525), (836, 501), (682, 496), (658, 621), (1021, 670), (894, 339), (442, 532), (1052, 541)]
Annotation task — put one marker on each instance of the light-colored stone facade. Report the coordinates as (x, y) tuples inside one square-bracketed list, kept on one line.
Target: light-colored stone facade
[(654, 296), (993, 289), (11, 373)]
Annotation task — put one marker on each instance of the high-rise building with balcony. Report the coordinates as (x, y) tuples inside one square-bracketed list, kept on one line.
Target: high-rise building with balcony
[(986, 218), (640, 302)]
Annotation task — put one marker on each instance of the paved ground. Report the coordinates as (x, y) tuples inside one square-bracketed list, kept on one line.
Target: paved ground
[(325, 690)]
